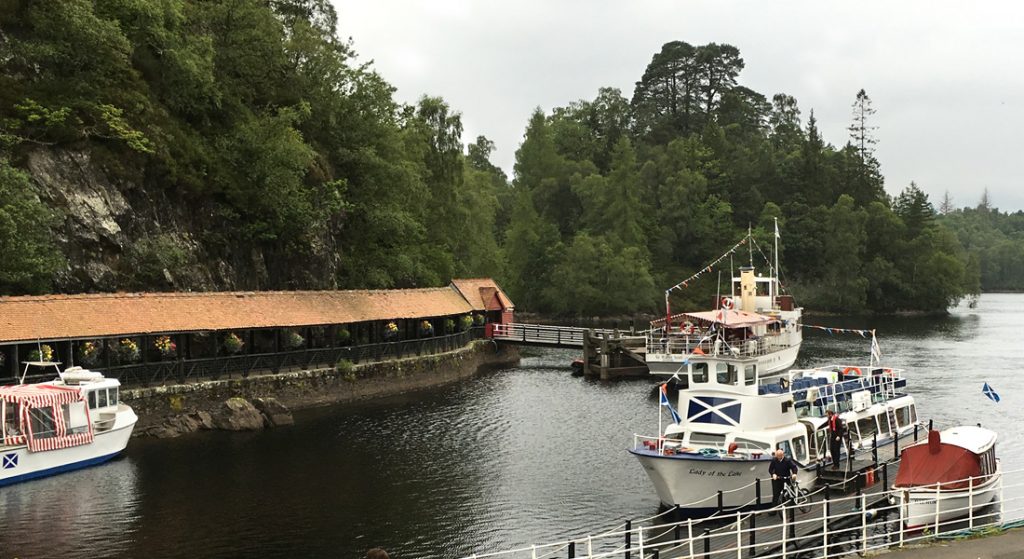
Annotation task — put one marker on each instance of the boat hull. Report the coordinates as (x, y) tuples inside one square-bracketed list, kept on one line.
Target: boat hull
[(768, 364), (691, 482), (18, 464), (920, 504)]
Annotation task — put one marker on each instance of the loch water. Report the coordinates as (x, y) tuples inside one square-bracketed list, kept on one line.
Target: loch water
[(508, 458)]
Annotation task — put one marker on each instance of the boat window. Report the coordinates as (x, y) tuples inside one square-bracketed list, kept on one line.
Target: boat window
[(10, 422), (700, 372), (800, 449), (75, 420), (726, 373), (906, 416), (42, 422), (92, 400), (867, 428), (784, 445), (820, 444), (750, 444), (750, 374), (706, 439), (101, 398), (883, 423), (112, 398)]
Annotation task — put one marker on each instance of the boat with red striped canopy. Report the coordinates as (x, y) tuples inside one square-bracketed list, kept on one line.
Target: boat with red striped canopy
[(50, 427)]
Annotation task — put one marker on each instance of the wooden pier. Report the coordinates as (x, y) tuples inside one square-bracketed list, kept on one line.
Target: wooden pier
[(607, 353)]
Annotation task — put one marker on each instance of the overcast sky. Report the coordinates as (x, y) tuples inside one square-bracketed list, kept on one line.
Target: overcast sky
[(945, 77)]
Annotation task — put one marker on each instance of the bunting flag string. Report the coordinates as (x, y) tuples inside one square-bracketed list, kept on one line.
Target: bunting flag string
[(707, 269), (831, 331)]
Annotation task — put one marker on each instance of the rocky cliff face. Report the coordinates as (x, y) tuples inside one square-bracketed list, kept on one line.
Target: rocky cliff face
[(122, 234)]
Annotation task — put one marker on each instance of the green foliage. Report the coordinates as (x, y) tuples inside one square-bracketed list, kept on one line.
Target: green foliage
[(30, 256), (152, 261), (346, 369), (255, 116)]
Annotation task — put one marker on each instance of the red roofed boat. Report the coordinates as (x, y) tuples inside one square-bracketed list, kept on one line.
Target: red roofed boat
[(50, 427), (949, 476)]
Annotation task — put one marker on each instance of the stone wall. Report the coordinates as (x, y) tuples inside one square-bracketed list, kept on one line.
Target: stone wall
[(161, 406)]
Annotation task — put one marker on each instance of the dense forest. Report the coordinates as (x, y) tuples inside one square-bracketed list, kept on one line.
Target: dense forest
[(286, 157)]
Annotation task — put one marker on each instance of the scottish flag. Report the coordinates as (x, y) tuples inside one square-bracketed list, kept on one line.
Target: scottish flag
[(992, 395), (666, 403)]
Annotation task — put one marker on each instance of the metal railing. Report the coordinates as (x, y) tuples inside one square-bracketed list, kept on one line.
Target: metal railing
[(685, 345), (543, 334), (833, 527), (240, 366)]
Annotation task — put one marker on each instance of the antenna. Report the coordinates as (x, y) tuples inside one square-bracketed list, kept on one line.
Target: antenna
[(750, 245), (778, 290)]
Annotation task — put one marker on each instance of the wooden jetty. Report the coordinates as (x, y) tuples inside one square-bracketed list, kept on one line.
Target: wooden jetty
[(607, 353)]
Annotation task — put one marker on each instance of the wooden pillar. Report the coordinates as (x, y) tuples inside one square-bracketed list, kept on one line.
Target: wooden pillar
[(14, 361), (250, 337), (69, 355), (144, 349), (587, 351), (107, 350), (604, 356)]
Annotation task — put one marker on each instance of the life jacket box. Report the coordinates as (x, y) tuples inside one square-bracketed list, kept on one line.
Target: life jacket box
[(860, 401)]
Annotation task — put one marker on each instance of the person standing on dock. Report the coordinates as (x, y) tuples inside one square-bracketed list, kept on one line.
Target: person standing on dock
[(782, 469), (835, 437)]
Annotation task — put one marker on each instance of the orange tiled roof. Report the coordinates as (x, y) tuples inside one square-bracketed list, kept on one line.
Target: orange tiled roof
[(53, 317), (483, 294)]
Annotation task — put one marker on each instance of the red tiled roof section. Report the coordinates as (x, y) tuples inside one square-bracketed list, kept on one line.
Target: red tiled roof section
[(85, 316), (483, 294)]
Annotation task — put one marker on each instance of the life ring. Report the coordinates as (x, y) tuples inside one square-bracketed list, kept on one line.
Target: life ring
[(726, 303), (688, 327), (855, 370)]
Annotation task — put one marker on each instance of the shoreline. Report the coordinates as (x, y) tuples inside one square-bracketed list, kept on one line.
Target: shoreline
[(173, 410)]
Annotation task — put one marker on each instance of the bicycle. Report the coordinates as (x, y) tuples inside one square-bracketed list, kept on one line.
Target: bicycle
[(799, 497)]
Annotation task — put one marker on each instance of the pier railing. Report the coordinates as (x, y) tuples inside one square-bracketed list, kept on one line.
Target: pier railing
[(238, 366), (826, 526)]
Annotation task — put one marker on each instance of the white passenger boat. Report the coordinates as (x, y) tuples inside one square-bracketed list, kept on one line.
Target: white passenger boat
[(72, 422), (754, 325), (951, 475), (729, 424)]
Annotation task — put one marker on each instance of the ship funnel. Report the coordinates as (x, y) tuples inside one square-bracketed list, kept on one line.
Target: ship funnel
[(934, 442), (748, 290)]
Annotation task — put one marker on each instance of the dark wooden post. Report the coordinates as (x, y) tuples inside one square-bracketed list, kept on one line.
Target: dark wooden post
[(143, 347), (753, 530), (69, 355), (14, 361), (180, 342), (629, 537), (106, 351), (572, 550)]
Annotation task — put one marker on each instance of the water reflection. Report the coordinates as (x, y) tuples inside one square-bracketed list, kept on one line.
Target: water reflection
[(86, 513)]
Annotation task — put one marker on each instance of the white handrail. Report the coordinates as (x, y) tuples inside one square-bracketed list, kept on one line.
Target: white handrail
[(649, 537)]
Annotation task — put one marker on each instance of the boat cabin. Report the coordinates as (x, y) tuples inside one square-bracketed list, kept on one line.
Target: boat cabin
[(949, 460)]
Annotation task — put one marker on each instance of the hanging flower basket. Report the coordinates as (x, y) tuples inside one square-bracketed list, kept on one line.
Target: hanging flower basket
[(127, 350), (89, 353), (293, 340), (166, 347), (233, 344), (344, 336), (391, 331), (478, 319), (426, 329), (42, 353), (465, 322), (449, 326)]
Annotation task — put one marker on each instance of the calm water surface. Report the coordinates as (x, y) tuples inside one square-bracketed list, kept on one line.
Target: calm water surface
[(506, 459)]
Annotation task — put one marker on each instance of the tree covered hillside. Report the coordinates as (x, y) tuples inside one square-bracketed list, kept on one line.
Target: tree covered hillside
[(177, 144)]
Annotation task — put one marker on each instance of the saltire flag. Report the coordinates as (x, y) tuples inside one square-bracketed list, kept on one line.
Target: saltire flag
[(992, 395), (666, 403), (876, 350)]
